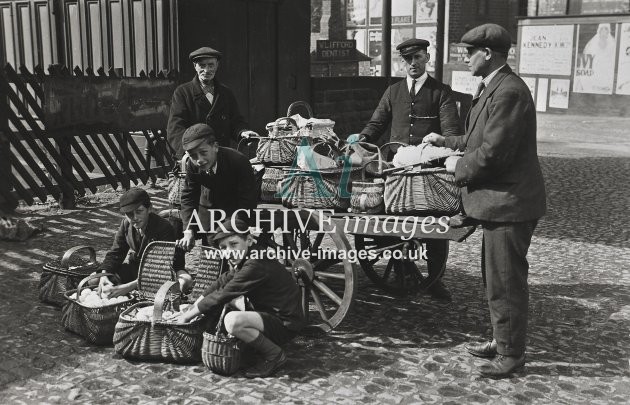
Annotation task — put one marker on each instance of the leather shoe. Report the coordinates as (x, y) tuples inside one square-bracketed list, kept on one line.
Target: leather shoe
[(502, 366), (485, 350), (439, 291), (265, 367)]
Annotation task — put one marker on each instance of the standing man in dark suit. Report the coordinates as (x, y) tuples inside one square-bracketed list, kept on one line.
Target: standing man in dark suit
[(415, 107), (219, 181), (502, 189), (205, 100)]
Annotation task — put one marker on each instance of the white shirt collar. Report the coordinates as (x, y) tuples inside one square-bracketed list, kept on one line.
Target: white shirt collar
[(486, 81), (419, 81)]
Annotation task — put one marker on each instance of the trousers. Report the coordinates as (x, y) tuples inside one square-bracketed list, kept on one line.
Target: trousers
[(504, 270)]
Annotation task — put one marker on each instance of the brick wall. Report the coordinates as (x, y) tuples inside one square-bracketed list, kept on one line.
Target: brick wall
[(349, 101)]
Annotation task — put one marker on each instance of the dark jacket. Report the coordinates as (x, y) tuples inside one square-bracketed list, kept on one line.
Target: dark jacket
[(266, 283), (189, 106), (128, 243), (232, 187), (500, 173), (434, 99)]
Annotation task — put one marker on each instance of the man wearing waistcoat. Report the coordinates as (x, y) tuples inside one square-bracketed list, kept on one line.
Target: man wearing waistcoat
[(205, 100), (415, 107), (502, 190)]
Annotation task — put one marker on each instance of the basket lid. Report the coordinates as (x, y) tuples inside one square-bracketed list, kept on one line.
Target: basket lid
[(73, 264), (156, 268)]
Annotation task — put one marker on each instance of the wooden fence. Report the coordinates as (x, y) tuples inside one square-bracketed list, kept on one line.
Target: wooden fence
[(38, 163)]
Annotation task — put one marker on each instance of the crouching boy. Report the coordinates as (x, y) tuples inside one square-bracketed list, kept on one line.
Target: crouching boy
[(270, 288)]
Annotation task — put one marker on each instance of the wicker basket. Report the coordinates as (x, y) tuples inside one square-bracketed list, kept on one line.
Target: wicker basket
[(280, 147), (269, 186), (221, 352), (65, 273), (95, 324), (176, 182), (300, 189), (159, 340), (426, 191)]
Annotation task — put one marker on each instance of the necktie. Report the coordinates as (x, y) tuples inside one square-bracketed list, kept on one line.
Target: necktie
[(479, 90), (412, 92)]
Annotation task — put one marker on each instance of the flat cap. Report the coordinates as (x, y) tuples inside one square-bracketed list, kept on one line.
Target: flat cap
[(205, 52), (412, 45), (132, 199), (491, 36), (195, 135), (239, 227)]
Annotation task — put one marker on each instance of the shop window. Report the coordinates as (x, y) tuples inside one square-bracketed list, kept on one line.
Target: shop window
[(362, 24)]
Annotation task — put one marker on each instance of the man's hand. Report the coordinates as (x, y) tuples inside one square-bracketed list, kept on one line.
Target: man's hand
[(104, 286), (450, 163), (248, 134), (187, 242), (434, 139), (355, 138), (187, 316)]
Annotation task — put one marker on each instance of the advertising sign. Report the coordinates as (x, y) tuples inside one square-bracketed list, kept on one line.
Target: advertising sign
[(595, 59), (559, 93), (336, 50), (623, 67), (430, 34), (546, 50), (464, 82), (541, 98)]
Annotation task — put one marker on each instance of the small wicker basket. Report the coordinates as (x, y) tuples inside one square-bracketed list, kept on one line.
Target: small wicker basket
[(65, 273), (269, 187), (95, 324), (221, 352), (280, 147)]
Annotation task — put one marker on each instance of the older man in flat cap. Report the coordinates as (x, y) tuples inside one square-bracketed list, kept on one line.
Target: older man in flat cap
[(502, 190), (415, 107), (138, 228), (205, 100)]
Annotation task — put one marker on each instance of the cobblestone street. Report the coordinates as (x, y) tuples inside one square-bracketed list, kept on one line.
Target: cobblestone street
[(387, 350)]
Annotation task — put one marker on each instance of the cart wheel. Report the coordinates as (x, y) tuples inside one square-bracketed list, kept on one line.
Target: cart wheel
[(395, 276), (328, 284)]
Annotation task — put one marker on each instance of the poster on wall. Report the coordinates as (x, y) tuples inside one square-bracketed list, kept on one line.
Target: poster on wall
[(604, 6), (623, 68), (541, 91), (559, 93), (399, 35), (546, 50), (531, 83), (430, 34), (426, 11), (552, 7), (464, 82), (595, 59)]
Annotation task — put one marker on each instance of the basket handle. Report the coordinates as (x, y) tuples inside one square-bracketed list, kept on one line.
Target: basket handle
[(392, 143), (160, 297), (86, 279), (71, 251), (304, 104), (220, 323)]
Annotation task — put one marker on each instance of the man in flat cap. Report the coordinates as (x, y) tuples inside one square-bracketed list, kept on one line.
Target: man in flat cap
[(205, 100), (502, 190), (138, 228), (219, 181), (277, 315), (415, 107)]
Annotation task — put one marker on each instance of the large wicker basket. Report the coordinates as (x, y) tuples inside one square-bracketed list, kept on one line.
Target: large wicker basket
[(65, 273), (425, 191), (95, 324), (159, 340), (221, 352), (280, 147)]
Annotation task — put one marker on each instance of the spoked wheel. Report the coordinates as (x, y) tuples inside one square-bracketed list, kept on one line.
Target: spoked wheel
[(327, 282), (395, 266)]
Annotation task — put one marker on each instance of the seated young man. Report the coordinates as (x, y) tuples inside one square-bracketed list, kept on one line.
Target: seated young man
[(137, 229), (271, 290)]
